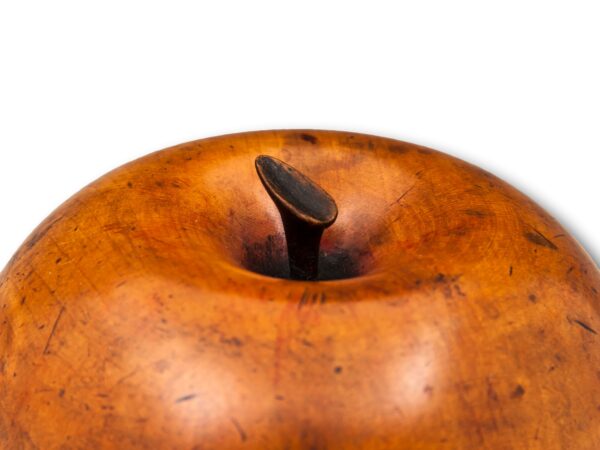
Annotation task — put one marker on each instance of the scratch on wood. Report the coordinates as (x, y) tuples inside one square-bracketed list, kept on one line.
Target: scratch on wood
[(239, 429), (584, 325), (303, 299), (399, 199), (53, 331), (476, 213), (539, 239), (185, 398), (125, 377)]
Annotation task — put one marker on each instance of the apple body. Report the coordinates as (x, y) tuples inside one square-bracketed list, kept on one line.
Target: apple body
[(152, 310)]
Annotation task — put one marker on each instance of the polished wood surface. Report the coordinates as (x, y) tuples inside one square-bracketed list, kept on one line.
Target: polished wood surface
[(463, 316)]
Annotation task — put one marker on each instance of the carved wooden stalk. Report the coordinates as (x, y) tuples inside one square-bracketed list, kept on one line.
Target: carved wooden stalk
[(305, 209)]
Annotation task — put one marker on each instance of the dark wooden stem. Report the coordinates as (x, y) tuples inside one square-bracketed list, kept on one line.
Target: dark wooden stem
[(305, 209)]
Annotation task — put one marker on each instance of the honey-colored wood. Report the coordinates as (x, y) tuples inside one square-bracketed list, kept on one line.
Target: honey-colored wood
[(467, 318)]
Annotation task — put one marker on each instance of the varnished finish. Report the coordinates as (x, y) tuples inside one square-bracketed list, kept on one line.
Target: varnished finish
[(129, 319), (305, 209)]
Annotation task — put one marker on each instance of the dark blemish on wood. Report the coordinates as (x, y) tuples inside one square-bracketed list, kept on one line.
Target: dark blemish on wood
[(510, 271), (476, 213), (428, 390), (532, 298), (47, 347), (58, 260), (308, 138), (61, 393), (352, 143), (159, 184), (23, 300), (418, 282), (279, 397), (338, 369), (459, 291), (232, 341), (491, 392), (315, 298), (447, 292), (425, 151), (102, 395), (539, 239), (448, 284), (303, 299), (518, 392), (129, 184), (185, 398), (465, 387), (306, 343), (324, 298), (239, 429), (585, 326), (398, 148), (231, 147), (558, 236)]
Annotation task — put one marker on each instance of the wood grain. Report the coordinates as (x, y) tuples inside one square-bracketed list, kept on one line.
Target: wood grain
[(469, 318)]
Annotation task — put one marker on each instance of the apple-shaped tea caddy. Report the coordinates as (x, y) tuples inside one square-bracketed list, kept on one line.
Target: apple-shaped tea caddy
[(202, 297)]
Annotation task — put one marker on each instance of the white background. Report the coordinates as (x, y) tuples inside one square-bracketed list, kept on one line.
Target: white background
[(512, 86)]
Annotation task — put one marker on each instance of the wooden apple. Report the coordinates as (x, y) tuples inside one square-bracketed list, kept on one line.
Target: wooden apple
[(154, 308)]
